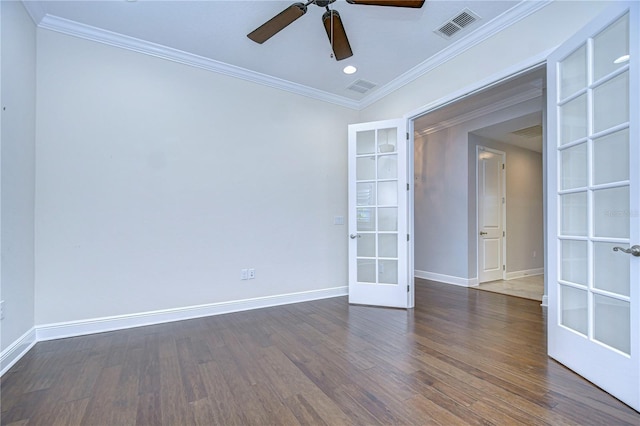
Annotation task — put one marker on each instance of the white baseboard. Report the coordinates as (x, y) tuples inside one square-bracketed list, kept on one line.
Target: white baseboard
[(20, 347), (447, 279), (545, 301), (100, 325), (17, 350), (525, 273)]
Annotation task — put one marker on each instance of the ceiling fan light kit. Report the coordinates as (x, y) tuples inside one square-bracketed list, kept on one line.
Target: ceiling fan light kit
[(330, 19)]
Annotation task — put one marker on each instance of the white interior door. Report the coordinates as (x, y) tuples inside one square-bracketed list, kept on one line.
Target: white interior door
[(490, 165), (593, 196), (378, 267)]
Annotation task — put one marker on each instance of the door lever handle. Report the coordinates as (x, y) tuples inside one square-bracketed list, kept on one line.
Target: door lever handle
[(354, 236), (483, 233), (633, 250)]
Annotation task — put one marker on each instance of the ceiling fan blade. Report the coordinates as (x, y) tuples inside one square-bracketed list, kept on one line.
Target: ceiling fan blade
[(337, 35), (396, 3), (270, 28)]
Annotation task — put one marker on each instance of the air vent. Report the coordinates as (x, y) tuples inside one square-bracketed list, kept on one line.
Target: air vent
[(529, 132), (362, 86), (457, 23)]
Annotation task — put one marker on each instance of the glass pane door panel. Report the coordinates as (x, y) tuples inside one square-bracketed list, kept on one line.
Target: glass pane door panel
[(611, 158), (612, 321), (573, 305), (366, 218), (388, 245), (573, 120), (367, 270), (388, 271), (388, 219), (611, 103), (388, 193), (574, 214), (573, 73), (611, 212), (573, 261), (610, 268), (366, 142), (387, 140), (366, 245), (388, 167), (574, 167), (610, 48), (366, 194), (366, 168)]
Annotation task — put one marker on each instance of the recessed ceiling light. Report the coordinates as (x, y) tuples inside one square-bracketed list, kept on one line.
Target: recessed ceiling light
[(621, 59), (349, 69)]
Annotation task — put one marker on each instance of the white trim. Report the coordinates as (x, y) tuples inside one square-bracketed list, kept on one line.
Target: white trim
[(524, 273), (500, 77), (119, 322), (17, 350), (501, 22), (75, 29), (87, 32), (446, 279), (479, 112)]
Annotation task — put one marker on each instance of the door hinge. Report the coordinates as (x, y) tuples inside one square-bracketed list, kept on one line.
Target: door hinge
[(504, 268), (503, 233), (407, 237), (503, 200), (407, 187), (407, 135), (502, 166), (407, 288)]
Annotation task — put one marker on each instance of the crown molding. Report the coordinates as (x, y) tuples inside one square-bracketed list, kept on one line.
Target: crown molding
[(87, 32), (479, 112), (35, 10), (499, 23), (75, 29)]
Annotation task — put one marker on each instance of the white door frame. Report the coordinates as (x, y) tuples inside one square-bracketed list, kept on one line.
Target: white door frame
[(533, 63), (503, 185)]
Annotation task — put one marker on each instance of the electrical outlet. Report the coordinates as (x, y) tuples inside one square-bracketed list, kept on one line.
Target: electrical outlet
[(252, 273), (244, 274), (1, 309)]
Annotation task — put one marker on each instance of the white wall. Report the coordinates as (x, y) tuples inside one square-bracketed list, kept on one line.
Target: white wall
[(441, 204), (158, 182), (444, 197), (18, 171), (530, 37)]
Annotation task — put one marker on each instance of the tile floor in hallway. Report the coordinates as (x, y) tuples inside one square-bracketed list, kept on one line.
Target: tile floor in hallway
[(528, 287)]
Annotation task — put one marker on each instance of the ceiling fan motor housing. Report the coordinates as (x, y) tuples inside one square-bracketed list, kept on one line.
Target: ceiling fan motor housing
[(323, 3)]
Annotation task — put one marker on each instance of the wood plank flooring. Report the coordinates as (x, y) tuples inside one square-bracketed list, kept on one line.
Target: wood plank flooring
[(461, 357)]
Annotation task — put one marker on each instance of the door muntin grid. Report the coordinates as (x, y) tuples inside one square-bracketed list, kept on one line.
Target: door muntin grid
[(377, 206), (593, 188)]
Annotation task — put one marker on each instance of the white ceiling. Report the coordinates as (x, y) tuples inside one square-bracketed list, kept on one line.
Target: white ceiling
[(391, 45)]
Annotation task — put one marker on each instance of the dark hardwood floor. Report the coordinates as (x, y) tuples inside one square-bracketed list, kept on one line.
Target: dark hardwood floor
[(460, 357)]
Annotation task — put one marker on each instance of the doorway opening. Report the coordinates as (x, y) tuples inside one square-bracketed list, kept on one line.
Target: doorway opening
[(508, 117)]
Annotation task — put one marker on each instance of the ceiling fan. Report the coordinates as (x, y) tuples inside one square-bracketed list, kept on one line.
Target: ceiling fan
[(331, 20)]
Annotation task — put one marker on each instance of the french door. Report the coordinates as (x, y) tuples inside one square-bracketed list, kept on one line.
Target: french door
[(378, 266), (593, 197)]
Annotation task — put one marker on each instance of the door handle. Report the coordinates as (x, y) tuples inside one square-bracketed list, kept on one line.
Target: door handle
[(483, 233), (633, 251), (354, 236)]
